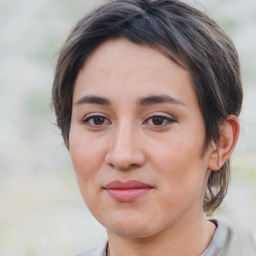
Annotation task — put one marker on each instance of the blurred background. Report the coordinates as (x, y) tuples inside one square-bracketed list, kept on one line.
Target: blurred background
[(41, 210)]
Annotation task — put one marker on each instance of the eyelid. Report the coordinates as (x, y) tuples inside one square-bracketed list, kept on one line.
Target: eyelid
[(85, 120), (170, 119), (161, 114)]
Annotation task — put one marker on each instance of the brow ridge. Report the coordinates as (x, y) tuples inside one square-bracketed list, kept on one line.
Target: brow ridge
[(155, 99), (92, 99)]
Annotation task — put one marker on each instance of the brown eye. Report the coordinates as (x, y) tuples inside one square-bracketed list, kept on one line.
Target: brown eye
[(99, 120), (158, 120), (96, 121)]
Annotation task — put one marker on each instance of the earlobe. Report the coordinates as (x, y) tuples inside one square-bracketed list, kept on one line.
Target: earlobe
[(223, 149)]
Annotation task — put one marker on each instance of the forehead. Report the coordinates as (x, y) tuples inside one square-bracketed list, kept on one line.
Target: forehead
[(120, 68)]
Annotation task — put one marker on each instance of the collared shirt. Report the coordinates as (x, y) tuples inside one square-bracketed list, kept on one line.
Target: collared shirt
[(216, 245), (225, 242)]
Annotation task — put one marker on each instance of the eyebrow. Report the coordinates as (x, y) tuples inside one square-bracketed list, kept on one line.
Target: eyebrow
[(155, 99), (150, 100), (93, 100)]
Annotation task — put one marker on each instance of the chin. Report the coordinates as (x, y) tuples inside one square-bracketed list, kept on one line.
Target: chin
[(131, 231), (130, 226)]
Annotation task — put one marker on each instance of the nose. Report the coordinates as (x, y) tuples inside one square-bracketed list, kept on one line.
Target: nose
[(125, 149)]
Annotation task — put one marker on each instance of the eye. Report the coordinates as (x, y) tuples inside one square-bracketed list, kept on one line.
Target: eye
[(96, 121), (159, 121)]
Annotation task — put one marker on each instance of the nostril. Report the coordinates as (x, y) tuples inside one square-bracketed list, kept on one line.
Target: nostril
[(124, 167), (124, 154)]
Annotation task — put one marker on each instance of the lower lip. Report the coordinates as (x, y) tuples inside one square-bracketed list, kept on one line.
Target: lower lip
[(127, 195)]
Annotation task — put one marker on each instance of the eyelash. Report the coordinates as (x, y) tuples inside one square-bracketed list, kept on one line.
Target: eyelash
[(165, 119), (87, 120)]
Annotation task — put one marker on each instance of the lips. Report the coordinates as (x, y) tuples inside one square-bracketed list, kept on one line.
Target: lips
[(127, 191)]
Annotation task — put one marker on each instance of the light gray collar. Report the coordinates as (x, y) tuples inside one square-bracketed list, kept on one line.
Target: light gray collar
[(218, 240)]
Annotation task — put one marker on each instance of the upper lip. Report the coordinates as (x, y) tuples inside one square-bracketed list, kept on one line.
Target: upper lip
[(130, 184)]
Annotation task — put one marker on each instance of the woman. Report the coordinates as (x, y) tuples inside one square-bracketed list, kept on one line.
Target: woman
[(147, 95)]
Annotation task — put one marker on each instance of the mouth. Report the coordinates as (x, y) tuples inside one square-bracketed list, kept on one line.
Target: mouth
[(127, 191)]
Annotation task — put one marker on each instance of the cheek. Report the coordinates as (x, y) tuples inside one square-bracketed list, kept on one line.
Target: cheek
[(87, 159), (179, 163), (86, 154), (173, 154)]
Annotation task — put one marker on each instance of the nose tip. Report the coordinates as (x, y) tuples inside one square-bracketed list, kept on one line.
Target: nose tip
[(124, 160), (125, 152)]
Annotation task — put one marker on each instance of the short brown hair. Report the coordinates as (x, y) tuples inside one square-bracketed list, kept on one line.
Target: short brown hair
[(188, 37)]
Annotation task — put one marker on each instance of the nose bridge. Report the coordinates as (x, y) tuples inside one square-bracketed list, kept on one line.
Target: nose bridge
[(124, 135), (125, 149)]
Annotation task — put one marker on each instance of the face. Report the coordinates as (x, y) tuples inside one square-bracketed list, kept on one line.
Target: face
[(136, 140)]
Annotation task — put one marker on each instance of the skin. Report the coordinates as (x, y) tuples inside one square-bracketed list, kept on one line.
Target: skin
[(128, 142)]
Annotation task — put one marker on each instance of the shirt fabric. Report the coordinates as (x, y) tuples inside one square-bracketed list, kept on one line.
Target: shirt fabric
[(226, 241)]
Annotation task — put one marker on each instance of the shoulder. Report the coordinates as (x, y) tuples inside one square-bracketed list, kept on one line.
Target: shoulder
[(238, 242), (98, 251)]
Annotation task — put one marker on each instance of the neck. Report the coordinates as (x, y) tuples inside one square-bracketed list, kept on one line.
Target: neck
[(191, 239)]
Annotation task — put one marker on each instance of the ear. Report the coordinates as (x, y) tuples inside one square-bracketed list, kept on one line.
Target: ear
[(222, 150)]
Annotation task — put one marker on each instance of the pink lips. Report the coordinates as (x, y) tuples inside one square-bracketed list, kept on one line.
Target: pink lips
[(127, 191)]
